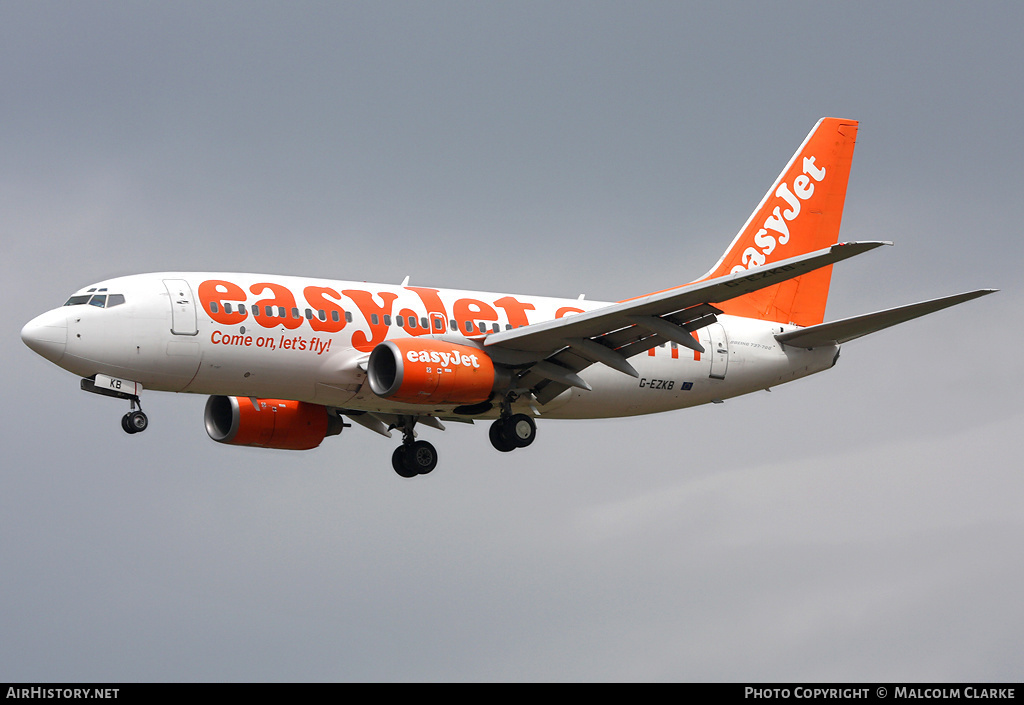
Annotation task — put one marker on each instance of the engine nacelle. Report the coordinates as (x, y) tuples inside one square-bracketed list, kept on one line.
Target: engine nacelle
[(269, 423), (427, 371)]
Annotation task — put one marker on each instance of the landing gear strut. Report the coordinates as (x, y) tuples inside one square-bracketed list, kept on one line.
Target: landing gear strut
[(413, 457)]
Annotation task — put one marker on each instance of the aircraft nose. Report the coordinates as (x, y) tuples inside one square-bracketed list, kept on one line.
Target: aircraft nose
[(47, 334)]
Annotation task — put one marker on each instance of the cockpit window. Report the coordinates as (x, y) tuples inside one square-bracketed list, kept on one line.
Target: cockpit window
[(98, 300)]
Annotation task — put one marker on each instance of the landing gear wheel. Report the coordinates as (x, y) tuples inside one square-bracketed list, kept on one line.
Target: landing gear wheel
[(515, 431), (399, 464), (499, 438), (521, 430), (422, 456), (134, 422), (417, 458), (138, 421)]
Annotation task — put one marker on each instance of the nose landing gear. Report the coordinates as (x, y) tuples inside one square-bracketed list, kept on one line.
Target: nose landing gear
[(135, 421)]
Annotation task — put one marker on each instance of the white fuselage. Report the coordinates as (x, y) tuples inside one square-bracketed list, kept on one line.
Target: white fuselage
[(210, 333)]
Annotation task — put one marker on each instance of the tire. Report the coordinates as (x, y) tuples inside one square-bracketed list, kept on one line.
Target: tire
[(499, 439), (422, 457), (126, 425), (138, 421), (521, 430), (399, 464)]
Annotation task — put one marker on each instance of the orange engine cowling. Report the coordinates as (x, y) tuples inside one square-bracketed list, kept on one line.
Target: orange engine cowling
[(269, 423), (427, 371)]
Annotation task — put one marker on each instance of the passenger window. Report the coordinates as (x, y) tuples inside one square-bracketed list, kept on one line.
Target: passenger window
[(309, 315), (400, 320), (348, 316), (256, 311), (321, 314), (335, 317), (280, 312), (387, 320), (374, 319), (295, 313), (412, 322), (214, 308), (227, 308), (241, 309)]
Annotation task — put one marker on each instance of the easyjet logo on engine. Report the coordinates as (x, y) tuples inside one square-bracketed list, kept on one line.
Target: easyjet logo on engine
[(775, 229), (443, 358)]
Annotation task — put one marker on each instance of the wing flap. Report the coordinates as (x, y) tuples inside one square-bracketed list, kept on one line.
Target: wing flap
[(622, 344)]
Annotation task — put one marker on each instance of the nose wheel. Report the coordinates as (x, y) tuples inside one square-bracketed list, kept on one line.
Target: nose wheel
[(135, 421)]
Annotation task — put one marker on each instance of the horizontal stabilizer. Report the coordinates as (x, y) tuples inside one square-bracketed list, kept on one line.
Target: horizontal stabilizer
[(847, 329)]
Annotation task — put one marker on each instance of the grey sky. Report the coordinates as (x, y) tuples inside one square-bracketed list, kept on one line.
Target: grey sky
[(862, 524)]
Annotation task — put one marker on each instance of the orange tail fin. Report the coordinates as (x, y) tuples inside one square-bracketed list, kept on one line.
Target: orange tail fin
[(800, 213)]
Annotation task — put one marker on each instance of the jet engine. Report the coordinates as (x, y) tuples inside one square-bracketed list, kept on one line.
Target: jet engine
[(427, 371), (269, 423)]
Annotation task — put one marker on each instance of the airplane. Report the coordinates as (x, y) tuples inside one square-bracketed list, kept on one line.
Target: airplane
[(288, 361)]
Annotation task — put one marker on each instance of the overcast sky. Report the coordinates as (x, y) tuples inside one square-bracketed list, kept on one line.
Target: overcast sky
[(863, 524)]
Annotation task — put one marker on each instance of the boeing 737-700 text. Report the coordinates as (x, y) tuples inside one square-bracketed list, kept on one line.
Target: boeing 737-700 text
[(287, 359)]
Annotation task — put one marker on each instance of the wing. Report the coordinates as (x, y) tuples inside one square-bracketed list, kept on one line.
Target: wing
[(550, 354)]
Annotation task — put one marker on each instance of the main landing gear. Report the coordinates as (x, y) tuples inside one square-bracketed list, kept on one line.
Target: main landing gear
[(413, 457), (511, 431)]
